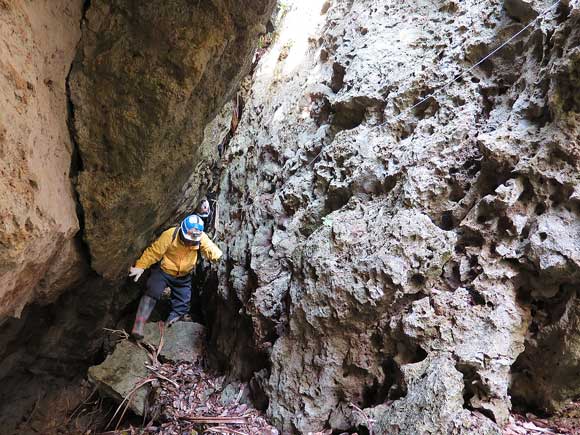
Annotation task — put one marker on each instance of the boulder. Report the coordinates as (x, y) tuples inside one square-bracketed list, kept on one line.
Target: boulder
[(119, 375), (184, 341)]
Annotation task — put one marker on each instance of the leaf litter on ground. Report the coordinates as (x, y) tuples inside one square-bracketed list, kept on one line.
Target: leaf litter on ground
[(187, 399), (565, 422)]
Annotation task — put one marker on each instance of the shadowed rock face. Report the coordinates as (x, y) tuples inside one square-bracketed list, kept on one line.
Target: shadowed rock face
[(147, 79), (377, 252)]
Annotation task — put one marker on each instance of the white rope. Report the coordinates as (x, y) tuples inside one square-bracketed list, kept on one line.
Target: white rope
[(483, 59)]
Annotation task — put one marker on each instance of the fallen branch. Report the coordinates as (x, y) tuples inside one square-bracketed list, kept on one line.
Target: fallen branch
[(150, 349), (367, 419), (160, 376), (161, 339), (127, 399), (34, 408), (117, 331), (215, 420), (83, 403)]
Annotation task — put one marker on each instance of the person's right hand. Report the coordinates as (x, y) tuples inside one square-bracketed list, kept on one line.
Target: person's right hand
[(136, 272)]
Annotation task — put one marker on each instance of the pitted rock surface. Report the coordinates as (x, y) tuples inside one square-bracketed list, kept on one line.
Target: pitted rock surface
[(433, 405), (365, 239)]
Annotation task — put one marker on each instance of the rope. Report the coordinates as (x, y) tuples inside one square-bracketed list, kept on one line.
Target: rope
[(482, 60), (459, 76)]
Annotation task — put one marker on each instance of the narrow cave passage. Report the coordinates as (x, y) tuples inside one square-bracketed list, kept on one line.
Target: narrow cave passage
[(397, 198)]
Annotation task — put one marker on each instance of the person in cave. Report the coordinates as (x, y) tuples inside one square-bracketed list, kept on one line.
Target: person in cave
[(176, 251), (204, 211), (207, 210)]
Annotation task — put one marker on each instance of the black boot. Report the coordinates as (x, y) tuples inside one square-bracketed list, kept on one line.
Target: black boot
[(145, 309)]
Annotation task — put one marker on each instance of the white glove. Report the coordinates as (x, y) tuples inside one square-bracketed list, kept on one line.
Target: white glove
[(136, 272)]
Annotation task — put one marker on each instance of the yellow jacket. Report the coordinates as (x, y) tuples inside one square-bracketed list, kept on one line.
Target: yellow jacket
[(176, 258)]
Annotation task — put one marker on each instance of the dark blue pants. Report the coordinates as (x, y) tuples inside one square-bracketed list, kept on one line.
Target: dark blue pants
[(180, 290)]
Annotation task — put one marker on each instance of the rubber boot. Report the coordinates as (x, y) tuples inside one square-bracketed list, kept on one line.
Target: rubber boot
[(145, 309)]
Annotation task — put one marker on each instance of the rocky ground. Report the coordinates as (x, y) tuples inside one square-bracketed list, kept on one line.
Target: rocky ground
[(163, 386), (566, 421)]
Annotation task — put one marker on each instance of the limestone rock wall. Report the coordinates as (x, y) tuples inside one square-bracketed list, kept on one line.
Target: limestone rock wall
[(378, 250), (147, 79), (38, 254)]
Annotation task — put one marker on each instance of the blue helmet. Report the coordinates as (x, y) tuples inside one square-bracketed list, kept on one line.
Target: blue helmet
[(192, 227)]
